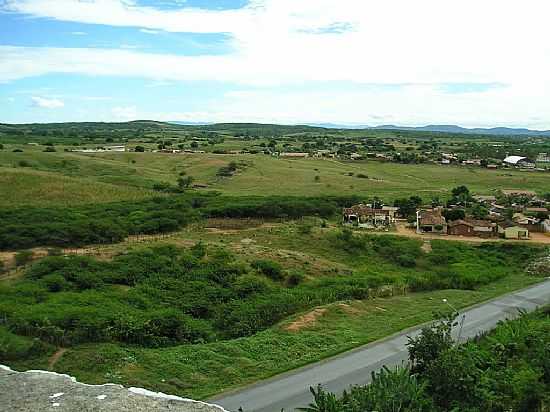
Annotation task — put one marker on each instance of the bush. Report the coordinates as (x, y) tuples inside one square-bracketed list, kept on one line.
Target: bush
[(305, 228), (248, 285), (14, 347), (55, 283), (294, 279), (23, 163), (269, 268)]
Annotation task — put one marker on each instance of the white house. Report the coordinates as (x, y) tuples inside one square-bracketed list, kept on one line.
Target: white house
[(518, 161)]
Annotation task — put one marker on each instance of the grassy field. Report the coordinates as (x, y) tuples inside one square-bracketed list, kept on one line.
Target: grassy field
[(78, 178), (23, 186)]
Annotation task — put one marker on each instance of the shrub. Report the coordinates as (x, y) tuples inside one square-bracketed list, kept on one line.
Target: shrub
[(55, 282), (269, 268), (305, 228), (14, 347), (24, 163), (294, 279), (247, 285)]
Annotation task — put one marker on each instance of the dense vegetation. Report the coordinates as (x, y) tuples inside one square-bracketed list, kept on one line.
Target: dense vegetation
[(110, 223), (508, 370), (80, 225), (167, 296)]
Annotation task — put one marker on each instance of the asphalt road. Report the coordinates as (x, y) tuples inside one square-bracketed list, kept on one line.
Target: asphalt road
[(291, 390)]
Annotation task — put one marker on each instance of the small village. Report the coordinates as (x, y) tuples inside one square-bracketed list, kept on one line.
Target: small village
[(509, 214)]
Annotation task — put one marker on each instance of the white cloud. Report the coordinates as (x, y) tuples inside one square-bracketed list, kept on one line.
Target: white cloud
[(46, 103), (149, 31), (125, 113), (296, 42), (78, 33)]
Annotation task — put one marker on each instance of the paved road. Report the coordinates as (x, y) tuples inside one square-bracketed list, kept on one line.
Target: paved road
[(291, 390)]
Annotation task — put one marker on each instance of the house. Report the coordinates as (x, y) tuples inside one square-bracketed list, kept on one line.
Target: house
[(546, 226), (355, 156), (472, 227), (115, 148), (445, 162), (460, 228), (516, 232), (484, 228), (365, 216), (430, 221), (102, 149), (519, 161), (294, 155), (518, 192), (485, 199)]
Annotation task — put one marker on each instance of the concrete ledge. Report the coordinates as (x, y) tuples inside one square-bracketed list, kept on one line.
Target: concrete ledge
[(39, 391)]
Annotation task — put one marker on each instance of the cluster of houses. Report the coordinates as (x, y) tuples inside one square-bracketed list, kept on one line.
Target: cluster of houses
[(102, 149), (433, 221), (529, 216), (518, 162)]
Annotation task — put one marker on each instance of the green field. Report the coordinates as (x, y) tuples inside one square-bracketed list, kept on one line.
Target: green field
[(71, 178), (255, 277)]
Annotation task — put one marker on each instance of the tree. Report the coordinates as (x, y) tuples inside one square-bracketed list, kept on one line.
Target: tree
[(139, 149), (454, 214), (436, 202), (432, 341), (461, 195), (407, 207), (194, 145), (185, 181), (479, 212), (542, 215)]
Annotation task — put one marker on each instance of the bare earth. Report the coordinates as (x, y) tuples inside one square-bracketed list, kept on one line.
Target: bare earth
[(402, 230), (306, 320)]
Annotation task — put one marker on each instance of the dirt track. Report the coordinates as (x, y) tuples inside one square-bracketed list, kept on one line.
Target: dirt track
[(402, 230)]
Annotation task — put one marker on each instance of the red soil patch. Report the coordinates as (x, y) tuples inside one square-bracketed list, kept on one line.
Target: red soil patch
[(305, 321)]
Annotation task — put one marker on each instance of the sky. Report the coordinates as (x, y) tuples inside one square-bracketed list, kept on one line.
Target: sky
[(354, 62)]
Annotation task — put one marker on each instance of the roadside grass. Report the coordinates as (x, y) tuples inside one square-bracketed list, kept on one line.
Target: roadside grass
[(203, 370)]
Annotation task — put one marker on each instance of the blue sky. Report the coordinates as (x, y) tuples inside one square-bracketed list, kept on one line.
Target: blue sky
[(286, 61)]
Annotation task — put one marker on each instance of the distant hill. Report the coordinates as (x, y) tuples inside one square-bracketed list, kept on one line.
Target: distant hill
[(497, 131), (264, 129)]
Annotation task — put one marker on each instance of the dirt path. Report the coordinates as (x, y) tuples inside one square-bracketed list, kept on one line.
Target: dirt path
[(55, 357), (402, 230)]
